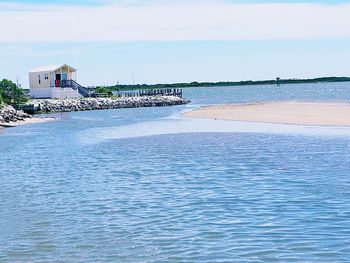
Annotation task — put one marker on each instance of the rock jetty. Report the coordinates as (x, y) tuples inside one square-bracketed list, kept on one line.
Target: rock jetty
[(9, 115), (83, 104)]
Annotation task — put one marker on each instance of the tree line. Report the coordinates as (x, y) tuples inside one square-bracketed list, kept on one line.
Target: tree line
[(227, 83)]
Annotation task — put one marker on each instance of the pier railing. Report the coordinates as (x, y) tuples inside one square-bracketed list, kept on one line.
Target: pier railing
[(151, 92), (85, 92)]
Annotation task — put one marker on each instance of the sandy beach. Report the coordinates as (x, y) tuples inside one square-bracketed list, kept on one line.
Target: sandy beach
[(26, 121), (302, 113)]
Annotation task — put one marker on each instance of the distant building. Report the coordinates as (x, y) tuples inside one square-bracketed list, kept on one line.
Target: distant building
[(54, 82)]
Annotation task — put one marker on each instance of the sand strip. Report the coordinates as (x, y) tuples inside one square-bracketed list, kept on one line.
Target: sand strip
[(26, 121), (302, 113)]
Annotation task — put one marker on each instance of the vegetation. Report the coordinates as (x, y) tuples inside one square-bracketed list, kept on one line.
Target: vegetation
[(103, 90), (227, 83), (11, 93)]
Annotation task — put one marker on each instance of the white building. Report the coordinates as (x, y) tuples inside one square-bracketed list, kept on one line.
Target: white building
[(55, 82)]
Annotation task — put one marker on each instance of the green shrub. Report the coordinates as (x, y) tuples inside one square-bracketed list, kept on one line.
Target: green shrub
[(102, 90), (12, 93)]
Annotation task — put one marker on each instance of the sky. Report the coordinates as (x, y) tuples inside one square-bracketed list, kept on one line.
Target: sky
[(162, 41)]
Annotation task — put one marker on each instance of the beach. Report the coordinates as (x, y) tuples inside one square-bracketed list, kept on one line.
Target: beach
[(301, 113)]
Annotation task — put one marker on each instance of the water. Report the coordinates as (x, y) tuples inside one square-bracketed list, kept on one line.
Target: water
[(145, 185)]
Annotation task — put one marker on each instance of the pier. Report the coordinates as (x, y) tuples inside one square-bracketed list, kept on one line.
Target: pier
[(151, 92)]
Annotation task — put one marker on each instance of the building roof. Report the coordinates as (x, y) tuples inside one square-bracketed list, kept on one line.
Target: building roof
[(52, 68)]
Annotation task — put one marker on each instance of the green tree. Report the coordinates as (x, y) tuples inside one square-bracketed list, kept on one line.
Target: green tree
[(12, 93)]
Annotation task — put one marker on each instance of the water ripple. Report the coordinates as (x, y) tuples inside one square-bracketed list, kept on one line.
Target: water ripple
[(139, 186)]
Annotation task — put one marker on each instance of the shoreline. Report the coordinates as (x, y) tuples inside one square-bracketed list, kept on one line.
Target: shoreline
[(290, 112), (10, 117), (27, 121)]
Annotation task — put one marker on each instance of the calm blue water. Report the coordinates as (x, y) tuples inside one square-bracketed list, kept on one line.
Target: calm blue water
[(145, 185)]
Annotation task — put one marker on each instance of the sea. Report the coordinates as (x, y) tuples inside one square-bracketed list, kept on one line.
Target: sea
[(147, 185)]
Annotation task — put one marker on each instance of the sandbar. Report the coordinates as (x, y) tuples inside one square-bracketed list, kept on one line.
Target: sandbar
[(300, 113)]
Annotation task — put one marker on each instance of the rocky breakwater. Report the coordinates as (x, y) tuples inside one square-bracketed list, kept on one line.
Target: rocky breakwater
[(8, 116), (66, 105)]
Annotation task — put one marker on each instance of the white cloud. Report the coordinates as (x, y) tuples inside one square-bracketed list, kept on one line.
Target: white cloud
[(172, 22)]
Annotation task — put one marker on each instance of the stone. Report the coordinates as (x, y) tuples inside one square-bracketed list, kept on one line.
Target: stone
[(50, 105)]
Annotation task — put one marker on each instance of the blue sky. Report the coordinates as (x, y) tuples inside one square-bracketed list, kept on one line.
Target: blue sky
[(159, 43)]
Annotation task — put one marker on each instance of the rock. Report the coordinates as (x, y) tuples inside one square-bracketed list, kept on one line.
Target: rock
[(53, 105), (9, 114)]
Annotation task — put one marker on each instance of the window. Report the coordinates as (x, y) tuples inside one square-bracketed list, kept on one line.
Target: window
[(39, 79), (46, 76)]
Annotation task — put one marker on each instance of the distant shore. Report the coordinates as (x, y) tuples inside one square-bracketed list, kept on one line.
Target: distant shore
[(300, 113), (196, 84)]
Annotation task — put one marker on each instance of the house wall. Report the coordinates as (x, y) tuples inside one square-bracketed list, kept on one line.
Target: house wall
[(37, 93), (34, 80), (66, 93), (54, 93)]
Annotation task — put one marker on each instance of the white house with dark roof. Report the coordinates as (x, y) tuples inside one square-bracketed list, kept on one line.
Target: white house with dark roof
[(55, 82)]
